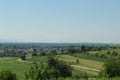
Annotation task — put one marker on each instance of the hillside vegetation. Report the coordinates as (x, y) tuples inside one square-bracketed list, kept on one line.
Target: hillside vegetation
[(87, 62)]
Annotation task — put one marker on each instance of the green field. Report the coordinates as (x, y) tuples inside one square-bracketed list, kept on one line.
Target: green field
[(89, 57), (106, 50), (20, 67), (89, 64), (14, 65)]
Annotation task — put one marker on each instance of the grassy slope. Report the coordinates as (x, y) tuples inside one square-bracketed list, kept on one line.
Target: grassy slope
[(20, 67), (15, 66), (38, 59), (71, 59), (83, 62), (78, 73), (89, 57), (105, 51)]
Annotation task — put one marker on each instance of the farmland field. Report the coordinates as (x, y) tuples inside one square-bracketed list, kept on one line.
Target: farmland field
[(20, 67), (89, 57), (89, 62)]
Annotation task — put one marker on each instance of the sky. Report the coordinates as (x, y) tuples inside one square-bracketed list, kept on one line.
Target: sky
[(68, 21)]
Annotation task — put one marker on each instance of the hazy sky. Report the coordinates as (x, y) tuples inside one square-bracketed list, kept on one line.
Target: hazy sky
[(60, 20)]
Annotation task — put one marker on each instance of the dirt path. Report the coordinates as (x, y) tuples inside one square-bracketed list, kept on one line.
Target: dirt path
[(85, 68)]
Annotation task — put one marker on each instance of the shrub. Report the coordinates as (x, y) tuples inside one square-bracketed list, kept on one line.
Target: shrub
[(7, 75), (82, 76), (59, 68), (112, 67), (54, 69), (23, 57)]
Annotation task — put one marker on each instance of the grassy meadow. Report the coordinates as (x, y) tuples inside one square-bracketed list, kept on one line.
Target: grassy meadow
[(14, 65), (20, 67), (87, 63)]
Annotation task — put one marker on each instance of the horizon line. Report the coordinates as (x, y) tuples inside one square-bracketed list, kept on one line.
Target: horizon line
[(59, 42)]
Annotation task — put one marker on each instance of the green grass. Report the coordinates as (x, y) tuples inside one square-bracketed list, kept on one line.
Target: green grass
[(83, 62), (38, 59), (15, 66), (89, 57), (105, 51), (114, 50), (20, 67), (78, 73), (72, 59)]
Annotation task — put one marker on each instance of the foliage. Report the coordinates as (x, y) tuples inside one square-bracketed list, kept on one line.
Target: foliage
[(102, 74), (7, 75), (53, 69), (16, 66), (71, 50), (34, 54), (112, 67), (38, 72), (65, 79), (115, 78), (53, 52), (82, 75), (42, 54), (83, 48), (77, 61), (23, 57), (59, 68)]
